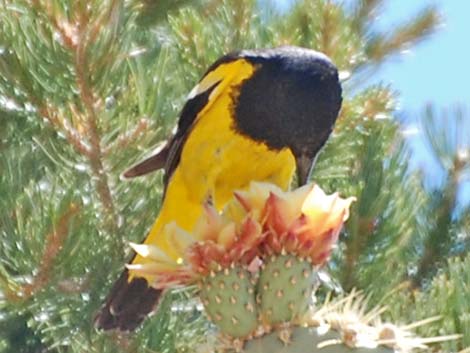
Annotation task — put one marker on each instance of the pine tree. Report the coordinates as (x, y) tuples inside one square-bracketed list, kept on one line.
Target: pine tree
[(87, 87)]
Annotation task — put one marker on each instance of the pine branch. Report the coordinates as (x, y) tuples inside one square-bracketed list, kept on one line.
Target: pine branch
[(444, 296), (53, 245), (54, 241), (447, 145), (153, 12), (438, 243), (368, 172), (328, 39), (421, 26), (74, 137), (77, 38), (65, 30), (125, 139), (86, 33), (364, 12)]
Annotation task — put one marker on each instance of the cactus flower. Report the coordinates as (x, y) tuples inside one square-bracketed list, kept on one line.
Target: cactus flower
[(258, 222), (305, 221)]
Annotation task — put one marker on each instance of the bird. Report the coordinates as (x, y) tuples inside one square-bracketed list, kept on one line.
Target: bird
[(255, 115)]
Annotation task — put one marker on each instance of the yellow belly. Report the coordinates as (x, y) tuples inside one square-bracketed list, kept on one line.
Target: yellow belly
[(215, 161)]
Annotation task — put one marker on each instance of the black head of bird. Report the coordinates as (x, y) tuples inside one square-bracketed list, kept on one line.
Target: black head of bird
[(292, 100)]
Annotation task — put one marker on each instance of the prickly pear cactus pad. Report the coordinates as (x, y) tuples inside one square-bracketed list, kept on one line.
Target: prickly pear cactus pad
[(335, 326), (306, 340), (285, 289), (229, 300)]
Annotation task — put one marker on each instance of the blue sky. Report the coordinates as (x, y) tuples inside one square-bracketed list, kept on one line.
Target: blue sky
[(436, 70)]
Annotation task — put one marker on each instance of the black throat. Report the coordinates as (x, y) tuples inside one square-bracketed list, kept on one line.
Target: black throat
[(292, 100)]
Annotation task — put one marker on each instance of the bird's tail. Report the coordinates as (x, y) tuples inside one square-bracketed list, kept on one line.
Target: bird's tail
[(127, 304), (131, 298)]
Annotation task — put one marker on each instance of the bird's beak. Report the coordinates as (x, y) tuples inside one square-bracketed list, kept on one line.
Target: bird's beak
[(304, 168)]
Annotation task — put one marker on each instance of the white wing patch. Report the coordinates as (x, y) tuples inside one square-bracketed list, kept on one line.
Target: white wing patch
[(207, 82)]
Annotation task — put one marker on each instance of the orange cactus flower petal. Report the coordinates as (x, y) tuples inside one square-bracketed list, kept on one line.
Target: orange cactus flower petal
[(178, 238), (277, 215), (325, 212), (209, 224), (253, 200), (250, 235), (205, 256), (227, 235)]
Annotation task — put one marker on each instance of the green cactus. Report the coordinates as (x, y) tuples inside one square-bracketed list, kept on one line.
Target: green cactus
[(306, 340), (281, 320), (229, 300), (285, 289)]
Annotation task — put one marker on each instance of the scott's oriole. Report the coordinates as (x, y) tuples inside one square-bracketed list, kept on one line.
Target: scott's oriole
[(255, 115)]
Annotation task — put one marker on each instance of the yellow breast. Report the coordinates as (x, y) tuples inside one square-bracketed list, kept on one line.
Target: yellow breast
[(216, 160)]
